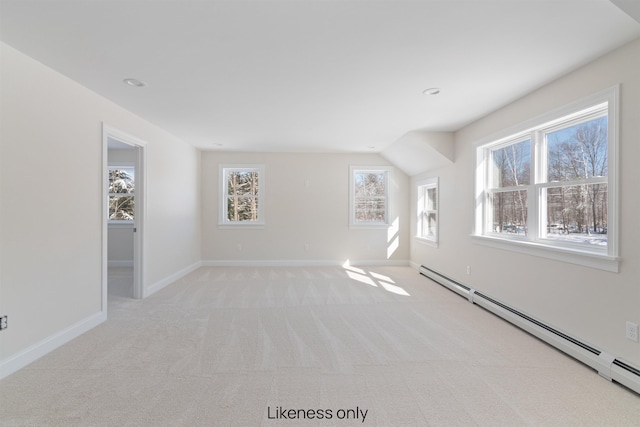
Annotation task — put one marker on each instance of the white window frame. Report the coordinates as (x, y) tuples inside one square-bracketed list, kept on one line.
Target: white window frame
[(422, 190), (533, 244), (353, 170), (224, 170), (121, 223)]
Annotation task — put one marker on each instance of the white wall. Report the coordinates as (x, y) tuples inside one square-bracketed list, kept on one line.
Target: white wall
[(120, 249), (51, 211), (590, 304), (296, 214)]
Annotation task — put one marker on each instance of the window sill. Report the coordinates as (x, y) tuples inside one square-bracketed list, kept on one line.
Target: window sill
[(230, 226), (120, 224), (427, 242), (570, 255)]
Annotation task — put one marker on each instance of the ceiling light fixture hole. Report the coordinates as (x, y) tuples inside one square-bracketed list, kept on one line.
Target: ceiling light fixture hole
[(134, 82)]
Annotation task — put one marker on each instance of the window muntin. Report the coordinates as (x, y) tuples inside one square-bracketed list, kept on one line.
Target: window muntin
[(369, 191), (568, 204), (242, 195), (121, 194), (427, 210)]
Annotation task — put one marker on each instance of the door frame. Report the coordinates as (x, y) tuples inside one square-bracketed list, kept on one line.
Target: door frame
[(139, 252)]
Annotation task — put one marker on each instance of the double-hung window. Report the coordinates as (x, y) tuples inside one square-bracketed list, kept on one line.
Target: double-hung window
[(121, 194), (369, 195), (549, 189), (427, 210), (242, 195)]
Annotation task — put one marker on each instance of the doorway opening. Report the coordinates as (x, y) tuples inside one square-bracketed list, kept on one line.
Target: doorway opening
[(123, 216)]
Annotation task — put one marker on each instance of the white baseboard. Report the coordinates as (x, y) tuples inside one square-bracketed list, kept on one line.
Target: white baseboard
[(152, 289), (300, 263), (39, 349), (607, 365)]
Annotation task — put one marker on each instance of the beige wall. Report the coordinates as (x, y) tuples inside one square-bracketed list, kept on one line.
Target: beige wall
[(296, 215), (50, 267), (590, 304), (51, 210)]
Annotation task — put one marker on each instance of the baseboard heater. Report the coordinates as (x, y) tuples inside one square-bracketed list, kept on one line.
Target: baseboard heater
[(607, 365)]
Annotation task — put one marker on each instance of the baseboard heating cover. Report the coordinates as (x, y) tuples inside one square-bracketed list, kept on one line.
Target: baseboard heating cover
[(607, 365)]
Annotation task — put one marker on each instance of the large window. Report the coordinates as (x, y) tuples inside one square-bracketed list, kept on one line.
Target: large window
[(369, 195), (242, 201), (427, 210), (121, 194), (550, 186)]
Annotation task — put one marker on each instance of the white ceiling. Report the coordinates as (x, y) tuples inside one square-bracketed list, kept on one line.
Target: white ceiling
[(304, 75)]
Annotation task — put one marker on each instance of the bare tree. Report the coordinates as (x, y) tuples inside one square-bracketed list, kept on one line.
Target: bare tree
[(121, 191), (575, 154), (242, 189), (512, 169), (370, 189)]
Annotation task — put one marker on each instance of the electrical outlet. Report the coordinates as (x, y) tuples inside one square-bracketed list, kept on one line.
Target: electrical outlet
[(306, 246), (468, 270), (239, 246), (632, 331), (3, 322)]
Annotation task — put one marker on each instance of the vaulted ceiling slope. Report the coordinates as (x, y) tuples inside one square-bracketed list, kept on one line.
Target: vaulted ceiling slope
[(314, 76)]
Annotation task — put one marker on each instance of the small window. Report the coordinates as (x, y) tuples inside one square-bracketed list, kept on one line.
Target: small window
[(427, 210), (242, 195), (121, 194), (548, 189), (369, 195)]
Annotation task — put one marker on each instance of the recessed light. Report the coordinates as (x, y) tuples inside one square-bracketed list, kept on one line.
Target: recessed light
[(134, 82), (431, 91)]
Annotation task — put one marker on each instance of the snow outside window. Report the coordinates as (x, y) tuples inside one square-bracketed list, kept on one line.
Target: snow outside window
[(427, 210), (369, 195), (242, 201), (121, 194), (550, 186)]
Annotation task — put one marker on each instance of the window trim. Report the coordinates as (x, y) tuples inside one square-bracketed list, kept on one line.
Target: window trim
[(223, 222), (121, 223), (388, 170), (427, 184), (605, 259)]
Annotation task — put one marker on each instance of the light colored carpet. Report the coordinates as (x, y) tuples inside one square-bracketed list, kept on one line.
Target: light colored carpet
[(232, 346)]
